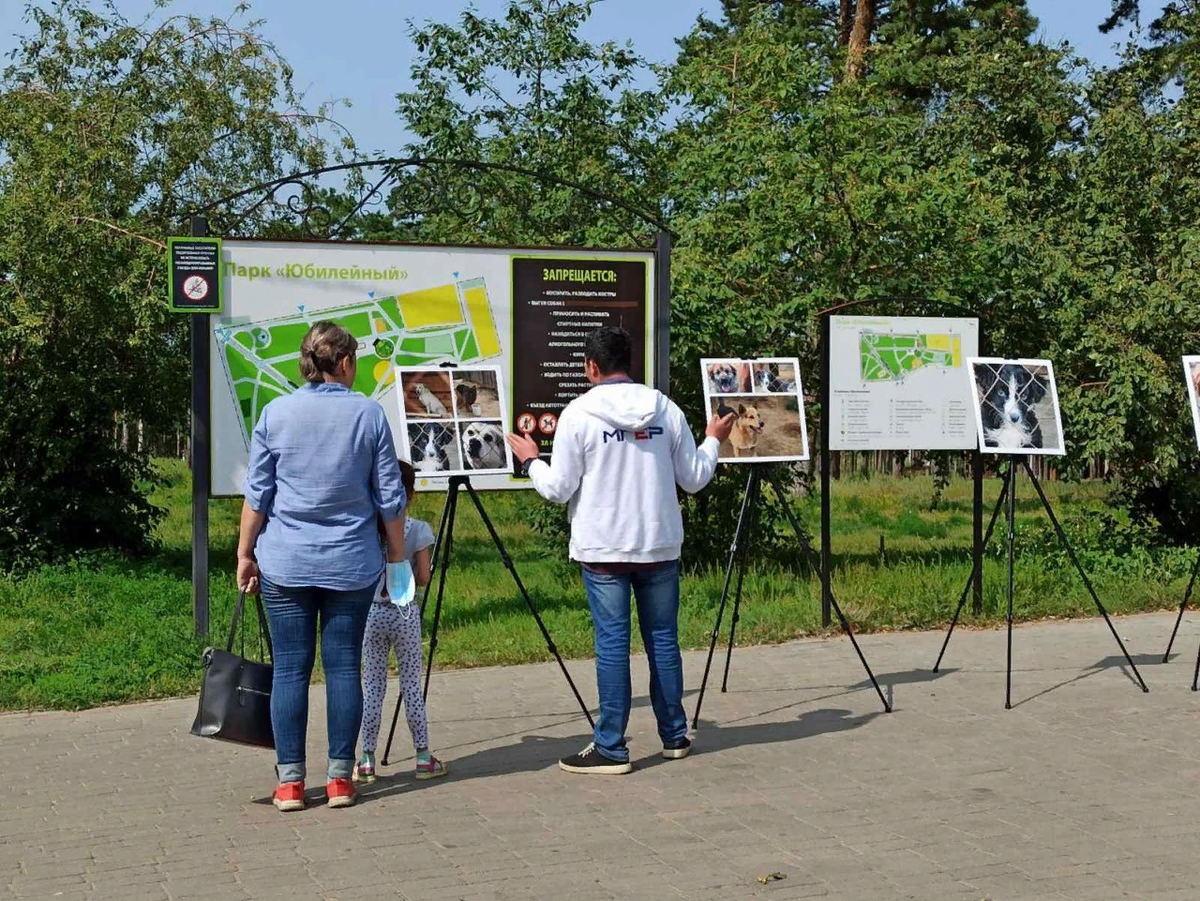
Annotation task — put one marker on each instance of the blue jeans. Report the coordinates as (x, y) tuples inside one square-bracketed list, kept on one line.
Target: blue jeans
[(657, 594), (293, 614)]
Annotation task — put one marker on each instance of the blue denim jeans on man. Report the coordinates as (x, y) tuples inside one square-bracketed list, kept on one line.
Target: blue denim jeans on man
[(294, 615), (657, 593)]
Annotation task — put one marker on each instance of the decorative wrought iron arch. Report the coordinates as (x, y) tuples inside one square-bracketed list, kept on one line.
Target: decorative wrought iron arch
[(315, 220)]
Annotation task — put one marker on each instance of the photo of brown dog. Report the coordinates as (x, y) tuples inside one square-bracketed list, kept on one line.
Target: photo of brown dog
[(476, 394), (764, 428)]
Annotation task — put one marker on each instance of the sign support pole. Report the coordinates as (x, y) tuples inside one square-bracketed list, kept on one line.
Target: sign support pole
[(826, 457), (662, 311), (978, 538), (201, 454)]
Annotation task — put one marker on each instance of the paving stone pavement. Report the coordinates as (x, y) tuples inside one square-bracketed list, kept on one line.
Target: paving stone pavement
[(1082, 791)]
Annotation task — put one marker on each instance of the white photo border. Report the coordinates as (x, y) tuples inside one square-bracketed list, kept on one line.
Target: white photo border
[(1193, 396)]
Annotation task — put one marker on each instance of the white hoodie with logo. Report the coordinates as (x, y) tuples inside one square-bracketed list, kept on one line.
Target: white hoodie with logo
[(619, 451)]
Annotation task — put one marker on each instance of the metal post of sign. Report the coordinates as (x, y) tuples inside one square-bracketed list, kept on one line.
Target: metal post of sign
[(978, 539), (662, 314), (201, 454), (826, 427)]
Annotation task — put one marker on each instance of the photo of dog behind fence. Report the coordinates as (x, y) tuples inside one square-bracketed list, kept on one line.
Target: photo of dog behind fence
[(433, 447), (1016, 409), (768, 408)]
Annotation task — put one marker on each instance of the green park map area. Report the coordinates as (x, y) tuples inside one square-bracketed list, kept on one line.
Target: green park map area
[(452, 322), (887, 356)]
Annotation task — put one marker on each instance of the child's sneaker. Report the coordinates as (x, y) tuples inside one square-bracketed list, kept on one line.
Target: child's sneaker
[(430, 768), (289, 796), (364, 770), (340, 792)]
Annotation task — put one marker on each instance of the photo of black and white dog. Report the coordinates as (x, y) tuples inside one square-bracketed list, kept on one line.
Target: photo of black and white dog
[(774, 378), (1017, 406), (1191, 376), (432, 448)]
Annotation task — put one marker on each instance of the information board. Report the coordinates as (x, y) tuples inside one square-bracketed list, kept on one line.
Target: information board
[(901, 383), (524, 311)]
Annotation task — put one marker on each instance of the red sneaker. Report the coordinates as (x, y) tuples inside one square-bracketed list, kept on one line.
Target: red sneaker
[(289, 796), (340, 792)]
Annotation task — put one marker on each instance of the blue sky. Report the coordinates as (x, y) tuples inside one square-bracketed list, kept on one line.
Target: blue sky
[(359, 49)]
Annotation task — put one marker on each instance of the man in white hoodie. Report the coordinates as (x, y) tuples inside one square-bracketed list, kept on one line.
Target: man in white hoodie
[(618, 453)]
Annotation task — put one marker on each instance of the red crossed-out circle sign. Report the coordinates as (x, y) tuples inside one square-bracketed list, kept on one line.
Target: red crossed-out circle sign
[(526, 423), (195, 287), (547, 423)]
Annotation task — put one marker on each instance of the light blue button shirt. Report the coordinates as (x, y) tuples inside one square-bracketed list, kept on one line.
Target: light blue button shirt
[(322, 468)]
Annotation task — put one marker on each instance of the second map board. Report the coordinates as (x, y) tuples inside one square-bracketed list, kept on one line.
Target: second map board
[(899, 383)]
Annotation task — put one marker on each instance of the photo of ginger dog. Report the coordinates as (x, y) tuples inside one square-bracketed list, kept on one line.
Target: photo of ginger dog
[(748, 427), (765, 429)]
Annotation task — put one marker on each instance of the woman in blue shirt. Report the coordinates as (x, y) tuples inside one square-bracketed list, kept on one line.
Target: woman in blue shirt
[(322, 473)]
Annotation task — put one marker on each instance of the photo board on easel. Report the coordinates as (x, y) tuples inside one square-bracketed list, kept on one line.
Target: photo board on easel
[(452, 420), (767, 400)]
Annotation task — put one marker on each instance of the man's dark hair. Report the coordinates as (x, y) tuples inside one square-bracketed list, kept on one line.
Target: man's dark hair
[(611, 349)]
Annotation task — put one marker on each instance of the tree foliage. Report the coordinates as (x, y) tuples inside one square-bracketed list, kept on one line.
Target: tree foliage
[(110, 132)]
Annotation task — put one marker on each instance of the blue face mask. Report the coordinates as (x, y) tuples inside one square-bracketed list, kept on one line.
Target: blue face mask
[(401, 585)]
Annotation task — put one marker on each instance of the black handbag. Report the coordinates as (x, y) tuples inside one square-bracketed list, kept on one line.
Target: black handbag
[(235, 693)]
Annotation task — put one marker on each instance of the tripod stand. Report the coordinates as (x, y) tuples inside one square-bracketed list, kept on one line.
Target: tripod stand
[(738, 556), (441, 563), (1009, 493), (1187, 595)]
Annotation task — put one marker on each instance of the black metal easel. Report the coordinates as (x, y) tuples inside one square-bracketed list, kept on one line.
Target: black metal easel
[(1187, 596), (1009, 493), (441, 561), (739, 555), (972, 578)]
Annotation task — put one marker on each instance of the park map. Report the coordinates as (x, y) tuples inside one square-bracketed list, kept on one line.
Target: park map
[(887, 356), (451, 322)]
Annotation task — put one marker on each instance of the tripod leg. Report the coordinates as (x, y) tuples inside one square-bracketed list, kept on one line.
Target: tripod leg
[(744, 562), (508, 564), (1012, 537), (1196, 675), (437, 547), (837, 608), (971, 578), (732, 562), (1183, 606), (1062, 536), (449, 514)]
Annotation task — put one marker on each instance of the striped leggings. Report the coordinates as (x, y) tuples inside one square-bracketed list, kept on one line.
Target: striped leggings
[(389, 626)]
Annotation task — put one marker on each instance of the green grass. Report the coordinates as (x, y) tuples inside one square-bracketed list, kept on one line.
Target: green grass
[(118, 630)]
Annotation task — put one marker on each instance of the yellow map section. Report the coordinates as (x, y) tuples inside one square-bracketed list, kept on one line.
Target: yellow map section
[(433, 306), (480, 312)]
